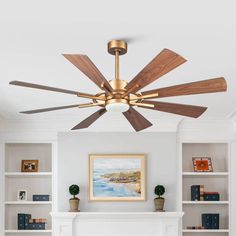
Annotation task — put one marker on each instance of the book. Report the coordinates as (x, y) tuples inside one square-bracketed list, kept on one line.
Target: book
[(215, 224), (206, 221), (211, 196), (38, 221), (40, 197), (211, 192), (36, 226), (201, 192), (195, 192), (21, 220), (27, 219)]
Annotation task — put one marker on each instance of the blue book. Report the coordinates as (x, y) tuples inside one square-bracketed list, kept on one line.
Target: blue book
[(40, 197), (27, 218), (215, 221), (211, 197), (21, 221), (195, 193), (206, 221), (40, 226), (31, 226), (36, 226)]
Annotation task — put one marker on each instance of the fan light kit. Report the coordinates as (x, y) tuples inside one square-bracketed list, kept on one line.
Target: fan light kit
[(119, 96)]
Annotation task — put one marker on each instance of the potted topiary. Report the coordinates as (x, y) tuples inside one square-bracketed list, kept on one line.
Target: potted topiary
[(159, 201), (74, 202)]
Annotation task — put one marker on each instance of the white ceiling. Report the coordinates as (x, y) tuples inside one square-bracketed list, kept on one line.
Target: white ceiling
[(34, 34)]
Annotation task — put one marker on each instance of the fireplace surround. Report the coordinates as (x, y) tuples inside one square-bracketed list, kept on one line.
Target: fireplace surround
[(117, 223)]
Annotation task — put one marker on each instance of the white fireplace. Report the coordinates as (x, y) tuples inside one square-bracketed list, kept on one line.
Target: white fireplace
[(117, 223)]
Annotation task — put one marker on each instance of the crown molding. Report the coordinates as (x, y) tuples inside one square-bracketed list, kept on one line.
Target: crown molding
[(185, 128)]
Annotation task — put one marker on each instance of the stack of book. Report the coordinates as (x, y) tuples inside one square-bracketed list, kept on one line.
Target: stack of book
[(198, 194), (25, 222), (211, 221)]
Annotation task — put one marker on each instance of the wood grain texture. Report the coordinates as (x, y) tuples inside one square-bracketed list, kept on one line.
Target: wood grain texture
[(179, 109), (43, 87), (48, 109), (138, 121), (90, 120), (86, 66), (163, 63), (204, 86)]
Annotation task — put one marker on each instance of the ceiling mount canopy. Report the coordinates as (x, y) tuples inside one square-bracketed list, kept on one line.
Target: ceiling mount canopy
[(121, 96)]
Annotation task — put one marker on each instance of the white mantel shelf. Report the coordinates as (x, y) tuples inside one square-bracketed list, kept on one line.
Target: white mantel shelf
[(117, 223)]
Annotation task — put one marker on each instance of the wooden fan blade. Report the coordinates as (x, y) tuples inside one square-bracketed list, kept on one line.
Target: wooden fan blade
[(204, 86), (85, 65), (48, 109), (163, 63), (180, 109), (89, 120), (136, 119), (38, 86)]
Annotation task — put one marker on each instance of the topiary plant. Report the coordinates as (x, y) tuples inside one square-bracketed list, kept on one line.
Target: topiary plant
[(74, 190), (159, 190)]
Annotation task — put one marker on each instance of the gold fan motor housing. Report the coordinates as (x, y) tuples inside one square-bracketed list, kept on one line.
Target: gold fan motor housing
[(119, 89), (117, 45), (118, 85)]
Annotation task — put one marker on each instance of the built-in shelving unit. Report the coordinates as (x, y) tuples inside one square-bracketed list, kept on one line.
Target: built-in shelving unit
[(40, 182), (216, 181)]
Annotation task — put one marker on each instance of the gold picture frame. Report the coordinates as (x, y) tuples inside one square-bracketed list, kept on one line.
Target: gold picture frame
[(29, 165), (117, 177)]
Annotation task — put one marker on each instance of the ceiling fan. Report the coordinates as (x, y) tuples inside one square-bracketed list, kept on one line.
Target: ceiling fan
[(118, 95)]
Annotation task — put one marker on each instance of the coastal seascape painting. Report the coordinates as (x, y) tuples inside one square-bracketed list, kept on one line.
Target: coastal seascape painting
[(117, 177)]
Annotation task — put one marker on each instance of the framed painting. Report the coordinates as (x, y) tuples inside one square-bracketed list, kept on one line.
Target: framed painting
[(29, 165), (119, 177), (202, 164)]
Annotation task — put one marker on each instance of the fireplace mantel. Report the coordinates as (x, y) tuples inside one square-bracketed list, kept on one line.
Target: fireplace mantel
[(116, 223)]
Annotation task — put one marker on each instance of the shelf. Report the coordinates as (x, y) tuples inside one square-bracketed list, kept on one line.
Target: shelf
[(27, 174), (205, 202), (28, 203), (15, 231), (41, 182), (205, 231), (216, 181), (205, 174)]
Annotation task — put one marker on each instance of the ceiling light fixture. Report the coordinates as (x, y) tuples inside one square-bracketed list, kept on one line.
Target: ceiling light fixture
[(119, 96)]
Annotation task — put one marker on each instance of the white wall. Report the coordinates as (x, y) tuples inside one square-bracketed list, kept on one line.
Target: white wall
[(73, 150)]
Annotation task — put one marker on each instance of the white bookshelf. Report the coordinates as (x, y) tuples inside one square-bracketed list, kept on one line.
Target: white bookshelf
[(216, 181), (40, 182)]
